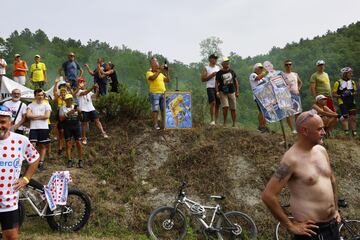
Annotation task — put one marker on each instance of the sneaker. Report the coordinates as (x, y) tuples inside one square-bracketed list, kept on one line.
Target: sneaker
[(105, 135), (212, 123), (69, 164), (294, 132), (346, 132), (41, 166), (80, 164), (354, 133), (84, 141), (157, 127)]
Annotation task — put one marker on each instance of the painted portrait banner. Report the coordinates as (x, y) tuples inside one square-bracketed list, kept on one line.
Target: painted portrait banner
[(178, 110), (274, 97)]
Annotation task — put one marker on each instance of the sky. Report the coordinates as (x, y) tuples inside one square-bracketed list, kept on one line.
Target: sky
[(174, 28)]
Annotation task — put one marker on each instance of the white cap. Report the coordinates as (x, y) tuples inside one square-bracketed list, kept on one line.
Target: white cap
[(320, 62), (320, 97), (256, 65)]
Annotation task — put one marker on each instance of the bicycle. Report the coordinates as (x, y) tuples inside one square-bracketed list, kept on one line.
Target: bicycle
[(68, 218), (349, 228), (168, 222)]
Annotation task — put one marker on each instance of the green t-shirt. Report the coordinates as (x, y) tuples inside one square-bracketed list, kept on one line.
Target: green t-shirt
[(322, 83)]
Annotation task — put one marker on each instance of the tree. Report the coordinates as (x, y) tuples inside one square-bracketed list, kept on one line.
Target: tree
[(210, 46)]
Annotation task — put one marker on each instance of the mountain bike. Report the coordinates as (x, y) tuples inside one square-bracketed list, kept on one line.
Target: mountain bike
[(169, 222), (349, 228)]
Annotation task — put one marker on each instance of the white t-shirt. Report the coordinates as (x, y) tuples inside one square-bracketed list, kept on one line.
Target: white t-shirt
[(13, 151), (39, 109), (85, 101), (253, 81), (292, 81), (211, 82), (2, 69), (14, 107)]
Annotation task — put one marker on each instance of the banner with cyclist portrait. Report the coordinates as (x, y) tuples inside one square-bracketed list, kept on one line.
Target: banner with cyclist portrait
[(178, 110)]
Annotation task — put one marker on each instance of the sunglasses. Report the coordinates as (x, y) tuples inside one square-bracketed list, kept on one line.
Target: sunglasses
[(288, 64), (310, 114)]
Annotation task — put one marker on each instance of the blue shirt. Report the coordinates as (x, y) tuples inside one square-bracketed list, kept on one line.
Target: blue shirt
[(71, 69)]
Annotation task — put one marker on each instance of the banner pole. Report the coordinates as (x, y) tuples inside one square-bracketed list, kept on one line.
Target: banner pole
[(283, 132)]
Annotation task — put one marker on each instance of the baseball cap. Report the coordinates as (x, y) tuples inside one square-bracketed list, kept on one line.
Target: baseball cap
[(81, 79), (213, 56), (68, 96), (346, 70), (225, 59), (320, 62), (320, 97), (5, 111), (37, 56), (17, 55), (71, 54), (257, 65)]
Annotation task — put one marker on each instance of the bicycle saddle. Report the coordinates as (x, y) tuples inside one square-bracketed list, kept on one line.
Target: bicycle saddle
[(216, 197)]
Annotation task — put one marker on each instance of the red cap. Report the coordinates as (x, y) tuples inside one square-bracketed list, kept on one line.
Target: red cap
[(81, 79)]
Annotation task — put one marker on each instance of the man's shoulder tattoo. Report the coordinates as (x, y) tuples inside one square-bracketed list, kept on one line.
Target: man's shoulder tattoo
[(282, 171)]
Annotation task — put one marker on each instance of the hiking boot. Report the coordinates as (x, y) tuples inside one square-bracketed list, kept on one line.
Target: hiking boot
[(69, 164), (41, 166), (80, 164)]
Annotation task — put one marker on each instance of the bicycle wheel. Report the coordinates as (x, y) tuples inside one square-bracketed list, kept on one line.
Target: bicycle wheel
[(241, 226), (73, 216), (350, 230), (282, 233), (165, 223)]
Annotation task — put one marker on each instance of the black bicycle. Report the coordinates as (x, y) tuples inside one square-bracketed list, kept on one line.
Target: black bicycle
[(170, 223), (349, 228)]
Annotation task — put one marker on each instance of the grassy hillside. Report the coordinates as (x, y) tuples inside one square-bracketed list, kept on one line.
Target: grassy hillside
[(139, 169)]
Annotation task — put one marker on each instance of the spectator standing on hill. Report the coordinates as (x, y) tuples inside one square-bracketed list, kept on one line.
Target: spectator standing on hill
[(305, 169), (255, 79), (20, 69), (110, 73), (294, 83), (15, 148), (329, 117), (99, 79), (344, 90), (18, 110), (208, 75), (227, 89), (320, 84), (59, 101), (38, 76), (3, 66), (70, 116), (87, 108), (72, 70), (156, 77), (38, 113)]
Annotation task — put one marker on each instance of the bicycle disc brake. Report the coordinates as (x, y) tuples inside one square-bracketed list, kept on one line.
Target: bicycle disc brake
[(168, 224)]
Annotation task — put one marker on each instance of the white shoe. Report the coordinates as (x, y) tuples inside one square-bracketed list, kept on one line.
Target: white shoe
[(294, 131), (212, 123)]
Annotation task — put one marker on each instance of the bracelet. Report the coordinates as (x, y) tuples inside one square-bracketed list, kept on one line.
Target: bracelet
[(26, 180)]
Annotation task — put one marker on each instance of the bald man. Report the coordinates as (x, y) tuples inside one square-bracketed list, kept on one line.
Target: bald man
[(305, 169)]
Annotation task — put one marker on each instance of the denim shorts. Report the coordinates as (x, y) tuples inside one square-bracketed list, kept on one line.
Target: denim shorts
[(157, 101)]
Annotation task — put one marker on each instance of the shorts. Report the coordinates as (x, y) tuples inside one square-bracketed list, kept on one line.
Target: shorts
[(347, 109), (19, 131), (39, 136), (89, 116), (157, 101), (72, 132), (228, 99), (211, 93), (9, 220), (330, 103), (73, 83), (328, 230), (20, 79)]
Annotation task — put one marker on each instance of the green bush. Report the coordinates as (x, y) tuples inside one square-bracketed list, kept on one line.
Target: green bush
[(123, 105)]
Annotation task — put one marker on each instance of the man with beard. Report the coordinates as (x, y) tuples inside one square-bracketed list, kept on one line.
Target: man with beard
[(18, 110), (305, 169)]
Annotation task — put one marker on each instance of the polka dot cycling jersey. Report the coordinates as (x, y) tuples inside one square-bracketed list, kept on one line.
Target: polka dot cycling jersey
[(13, 151)]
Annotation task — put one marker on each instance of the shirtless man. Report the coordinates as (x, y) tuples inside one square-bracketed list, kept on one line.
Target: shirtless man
[(305, 169)]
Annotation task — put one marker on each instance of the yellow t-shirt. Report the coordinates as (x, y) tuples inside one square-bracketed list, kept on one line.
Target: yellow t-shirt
[(37, 70), (158, 85)]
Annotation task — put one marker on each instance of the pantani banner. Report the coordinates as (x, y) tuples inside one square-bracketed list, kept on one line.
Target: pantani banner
[(178, 110), (7, 85), (275, 99)]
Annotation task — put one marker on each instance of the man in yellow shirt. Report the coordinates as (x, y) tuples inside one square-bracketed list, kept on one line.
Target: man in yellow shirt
[(38, 73), (156, 77)]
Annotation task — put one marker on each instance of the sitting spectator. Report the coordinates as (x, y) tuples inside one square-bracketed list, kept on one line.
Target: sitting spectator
[(70, 117), (20, 69), (38, 73), (38, 113), (18, 110), (87, 108), (344, 90), (329, 117)]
